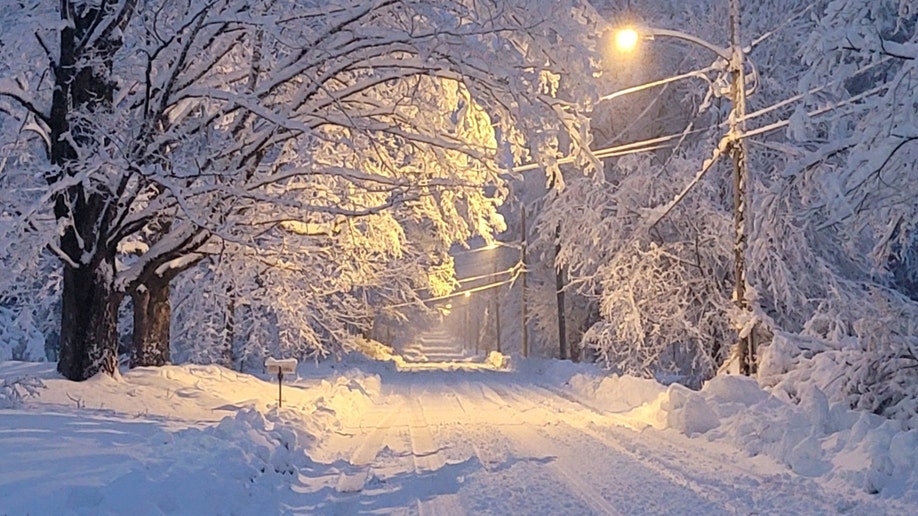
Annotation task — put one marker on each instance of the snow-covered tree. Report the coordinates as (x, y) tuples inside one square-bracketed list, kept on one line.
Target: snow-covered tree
[(304, 299), (840, 217), (176, 127), (661, 278)]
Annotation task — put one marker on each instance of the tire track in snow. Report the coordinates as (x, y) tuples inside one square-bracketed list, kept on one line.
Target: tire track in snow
[(363, 456), (532, 444), (613, 435), (528, 441), (578, 418), (428, 459), (476, 424), (513, 479), (554, 435)]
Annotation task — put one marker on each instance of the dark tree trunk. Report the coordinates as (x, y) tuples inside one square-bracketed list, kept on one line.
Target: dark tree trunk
[(88, 322), (559, 289), (89, 304), (152, 318), (229, 332)]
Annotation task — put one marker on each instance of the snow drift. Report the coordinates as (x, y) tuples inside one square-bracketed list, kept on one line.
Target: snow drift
[(810, 435)]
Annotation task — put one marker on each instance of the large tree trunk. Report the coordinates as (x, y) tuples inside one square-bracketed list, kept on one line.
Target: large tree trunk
[(152, 318), (89, 304), (88, 322)]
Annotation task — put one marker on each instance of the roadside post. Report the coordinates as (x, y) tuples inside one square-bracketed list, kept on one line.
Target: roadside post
[(279, 366)]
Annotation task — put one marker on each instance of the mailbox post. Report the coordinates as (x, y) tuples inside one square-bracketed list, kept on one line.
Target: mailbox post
[(279, 366)]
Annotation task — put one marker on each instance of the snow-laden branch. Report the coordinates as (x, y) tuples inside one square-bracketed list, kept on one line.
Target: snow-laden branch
[(10, 89)]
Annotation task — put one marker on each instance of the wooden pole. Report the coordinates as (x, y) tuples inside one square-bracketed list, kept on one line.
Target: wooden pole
[(525, 333), (280, 382), (495, 298), (559, 290), (746, 345), (497, 321)]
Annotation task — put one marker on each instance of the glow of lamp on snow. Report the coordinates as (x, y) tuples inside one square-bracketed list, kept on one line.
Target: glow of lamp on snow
[(626, 40)]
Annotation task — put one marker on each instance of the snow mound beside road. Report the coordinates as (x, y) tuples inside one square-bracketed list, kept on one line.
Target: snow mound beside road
[(172, 440), (810, 435)]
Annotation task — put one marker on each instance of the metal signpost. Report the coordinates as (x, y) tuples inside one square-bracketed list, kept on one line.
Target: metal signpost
[(279, 366)]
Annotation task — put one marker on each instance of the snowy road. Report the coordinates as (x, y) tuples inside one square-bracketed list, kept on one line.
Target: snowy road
[(431, 437), (467, 442)]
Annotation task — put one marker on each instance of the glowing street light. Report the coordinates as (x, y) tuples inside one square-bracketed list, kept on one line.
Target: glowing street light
[(626, 39)]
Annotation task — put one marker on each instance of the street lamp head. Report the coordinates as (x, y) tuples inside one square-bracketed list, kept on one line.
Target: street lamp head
[(626, 39), (468, 294)]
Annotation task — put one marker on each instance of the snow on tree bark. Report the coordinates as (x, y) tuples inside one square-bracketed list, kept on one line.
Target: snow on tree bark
[(88, 322), (150, 344)]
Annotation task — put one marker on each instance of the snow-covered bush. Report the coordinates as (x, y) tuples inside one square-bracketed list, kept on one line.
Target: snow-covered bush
[(834, 246), (880, 380), (14, 391), (19, 337)]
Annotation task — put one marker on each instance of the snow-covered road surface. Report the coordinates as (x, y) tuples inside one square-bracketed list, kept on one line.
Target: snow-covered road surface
[(484, 443), (368, 437)]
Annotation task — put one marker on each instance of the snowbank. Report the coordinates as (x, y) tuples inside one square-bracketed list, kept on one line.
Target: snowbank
[(812, 437), (876, 381), (176, 439)]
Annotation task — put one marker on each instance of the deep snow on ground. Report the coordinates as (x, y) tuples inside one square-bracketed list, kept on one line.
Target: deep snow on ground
[(444, 433)]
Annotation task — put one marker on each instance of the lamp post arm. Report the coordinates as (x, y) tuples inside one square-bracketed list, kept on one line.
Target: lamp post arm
[(722, 52), (701, 74)]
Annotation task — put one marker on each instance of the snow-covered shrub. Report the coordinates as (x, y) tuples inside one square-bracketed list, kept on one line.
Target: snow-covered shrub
[(498, 360), (834, 245), (14, 391), (19, 337), (29, 294), (882, 381)]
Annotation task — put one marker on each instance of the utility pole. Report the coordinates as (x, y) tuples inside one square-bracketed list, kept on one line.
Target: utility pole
[(525, 333), (495, 299), (468, 324), (735, 58), (559, 289), (746, 344), (476, 329), (497, 317)]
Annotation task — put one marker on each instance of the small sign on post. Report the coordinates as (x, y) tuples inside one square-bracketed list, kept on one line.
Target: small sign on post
[(279, 366)]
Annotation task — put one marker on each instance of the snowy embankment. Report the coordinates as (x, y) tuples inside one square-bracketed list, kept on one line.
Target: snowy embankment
[(811, 436), (175, 440)]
